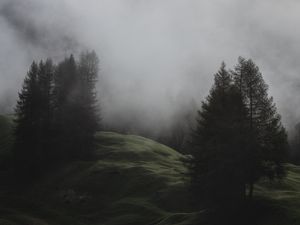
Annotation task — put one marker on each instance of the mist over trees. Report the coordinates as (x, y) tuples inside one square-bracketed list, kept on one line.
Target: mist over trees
[(268, 146), (170, 134), (56, 114), (238, 139)]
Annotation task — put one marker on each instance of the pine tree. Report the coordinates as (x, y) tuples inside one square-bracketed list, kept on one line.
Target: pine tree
[(268, 140), (88, 108), (56, 114), (45, 84), (65, 108), (216, 169), (26, 152), (33, 121), (76, 116)]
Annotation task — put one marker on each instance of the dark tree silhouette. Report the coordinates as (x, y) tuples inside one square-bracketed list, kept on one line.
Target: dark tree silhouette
[(76, 115), (26, 151), (45, 85), (267, 149), (217, 177), (56, 114), (88, 109), (65, 108), (238, 139)]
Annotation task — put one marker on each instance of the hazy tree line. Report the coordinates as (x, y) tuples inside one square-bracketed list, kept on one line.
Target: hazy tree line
[(56, 114), (238, 138)]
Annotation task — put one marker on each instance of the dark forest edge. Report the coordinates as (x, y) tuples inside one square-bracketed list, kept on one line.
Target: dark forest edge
[(237, 141), (56, 114)]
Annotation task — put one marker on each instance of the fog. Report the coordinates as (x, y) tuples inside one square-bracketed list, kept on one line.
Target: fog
[(157, 57)]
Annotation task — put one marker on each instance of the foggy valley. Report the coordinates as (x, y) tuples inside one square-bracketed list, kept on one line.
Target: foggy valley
[(154, 112)]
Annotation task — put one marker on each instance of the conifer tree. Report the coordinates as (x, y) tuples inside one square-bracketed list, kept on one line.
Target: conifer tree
[(268, 140), (56, 114), (76, 117), (216, 168), (33, 121), (87, 99), (45, 85), (65, 108), (239, 137), (26, 152)]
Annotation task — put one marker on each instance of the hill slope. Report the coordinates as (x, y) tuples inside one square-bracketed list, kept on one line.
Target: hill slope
[(132, 180), (282, 200)]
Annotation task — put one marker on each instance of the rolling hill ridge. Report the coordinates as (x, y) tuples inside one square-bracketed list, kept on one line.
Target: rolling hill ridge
[(131, 180)]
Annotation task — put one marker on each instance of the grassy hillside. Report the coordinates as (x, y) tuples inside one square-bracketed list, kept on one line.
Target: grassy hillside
[(133, 180), (282, 200)]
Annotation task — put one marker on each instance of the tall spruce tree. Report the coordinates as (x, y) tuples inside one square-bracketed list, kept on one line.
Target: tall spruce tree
[(26, 149), (33, 120), (88, 113), (268, 140), (45, 85), (217, 176), (56, 114), (65, 108), (76, 117)]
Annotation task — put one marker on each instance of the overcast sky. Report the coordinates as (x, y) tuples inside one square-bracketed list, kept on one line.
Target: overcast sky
[(156, 55)]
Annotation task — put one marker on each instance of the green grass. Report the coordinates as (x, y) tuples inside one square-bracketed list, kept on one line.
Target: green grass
[(133, 181), (281, 198)]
